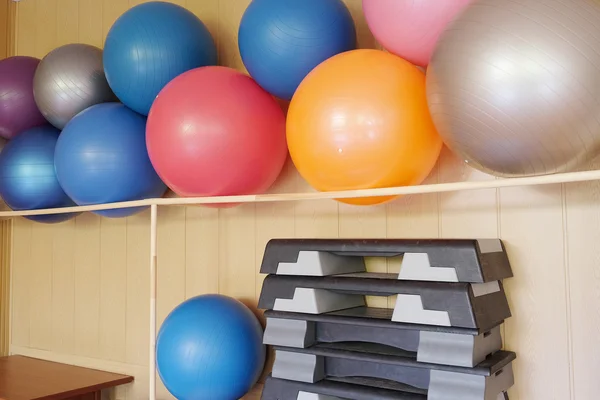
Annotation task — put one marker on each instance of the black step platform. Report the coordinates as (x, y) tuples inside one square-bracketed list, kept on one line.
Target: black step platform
[(449, 260), (343, 389), (427, 343), (332, 389), (488, 380), (478, 306)]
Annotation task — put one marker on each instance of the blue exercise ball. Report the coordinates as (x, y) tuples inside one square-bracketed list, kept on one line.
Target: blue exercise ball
[(281, 41), (101, 158), (151, 44), (210, 347), (27, 177)]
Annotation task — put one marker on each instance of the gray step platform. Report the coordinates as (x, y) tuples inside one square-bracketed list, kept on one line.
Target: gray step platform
[(334, 389), (430, 344), (447, 260), (347, 389), (486, 381), (467, 305)]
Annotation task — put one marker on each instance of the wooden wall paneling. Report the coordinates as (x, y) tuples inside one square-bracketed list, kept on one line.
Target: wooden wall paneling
[(202, 251), (5, 303), (230, 15), (415, 216), (63, 287), (138, 289), (314, 218), (5, 28), (26, 25), (90, 22), (237, 253), (171, 252), (582, 217), (40, 284), (67, 22), (87, 285), (208, 12), (46, 27), (20, 326), (111, 10), (531, 223), (113, 288), (469, 214)]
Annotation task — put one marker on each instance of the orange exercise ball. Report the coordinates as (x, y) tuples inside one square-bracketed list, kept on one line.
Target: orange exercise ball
[(360, 120)]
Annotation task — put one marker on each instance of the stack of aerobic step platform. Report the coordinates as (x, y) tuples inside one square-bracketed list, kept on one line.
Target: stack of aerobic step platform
[(440, 342)]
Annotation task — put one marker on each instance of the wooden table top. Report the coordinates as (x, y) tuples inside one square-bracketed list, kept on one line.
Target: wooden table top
[(24, 378)]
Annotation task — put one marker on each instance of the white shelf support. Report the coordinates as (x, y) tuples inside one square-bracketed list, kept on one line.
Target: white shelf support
[(153, 275)]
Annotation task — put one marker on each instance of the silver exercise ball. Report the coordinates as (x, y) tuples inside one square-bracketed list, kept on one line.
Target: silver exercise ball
[(69, 80), (514, 85)]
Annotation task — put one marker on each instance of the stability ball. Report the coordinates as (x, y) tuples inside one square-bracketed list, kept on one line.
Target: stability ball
[(210, 347), (411, 28), (360, 121), (281, 41), (514, 86), (101, 158), (27, 177), (213, 131), (69, 80), (18, 111), (151, 44)]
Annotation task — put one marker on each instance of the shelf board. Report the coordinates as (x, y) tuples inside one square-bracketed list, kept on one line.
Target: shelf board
[(348, 194)]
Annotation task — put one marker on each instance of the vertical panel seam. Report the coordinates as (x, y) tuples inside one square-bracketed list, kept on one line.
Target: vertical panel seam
[(567, 272), (185, 261), (124, 355), (499, 233)]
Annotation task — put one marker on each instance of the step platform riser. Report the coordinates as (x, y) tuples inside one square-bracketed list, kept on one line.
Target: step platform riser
[(450, 260), (429, 347), (440, 385), (479, 306), (279, 389)]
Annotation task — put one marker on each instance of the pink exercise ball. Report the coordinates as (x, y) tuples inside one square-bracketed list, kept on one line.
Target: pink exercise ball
[(214, 131), (411, 28)]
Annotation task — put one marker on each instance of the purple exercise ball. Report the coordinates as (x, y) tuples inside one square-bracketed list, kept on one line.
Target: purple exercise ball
[(18, 111)]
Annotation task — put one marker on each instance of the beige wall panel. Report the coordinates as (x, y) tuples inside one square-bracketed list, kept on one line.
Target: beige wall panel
[(20, 270), (138, 289), (582, 231), (531, 223), (201, 251), (87, 285), (63, 288), (113, 289), (40, 287), (171, 260)]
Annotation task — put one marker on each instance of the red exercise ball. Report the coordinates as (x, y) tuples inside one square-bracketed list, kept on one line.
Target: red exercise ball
[(214, 131)]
